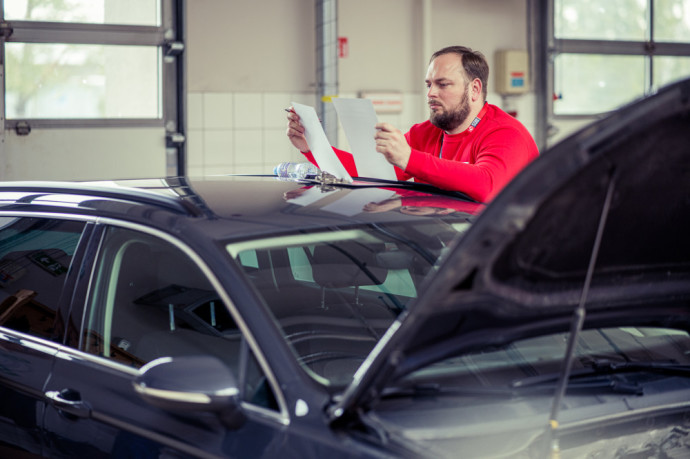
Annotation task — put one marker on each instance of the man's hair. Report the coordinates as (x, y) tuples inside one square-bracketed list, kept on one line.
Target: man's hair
[(473, 62)]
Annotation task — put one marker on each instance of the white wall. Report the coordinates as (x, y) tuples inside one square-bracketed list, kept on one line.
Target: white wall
[(248, 60)]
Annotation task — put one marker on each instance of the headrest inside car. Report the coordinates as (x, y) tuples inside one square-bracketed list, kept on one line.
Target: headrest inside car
[(347, 264)]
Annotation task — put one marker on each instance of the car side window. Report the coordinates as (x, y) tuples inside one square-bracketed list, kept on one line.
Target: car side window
[(35, 256), (149, 299)]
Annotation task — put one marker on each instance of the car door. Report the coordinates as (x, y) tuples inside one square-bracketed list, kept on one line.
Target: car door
[(36, 259), (146, 299)]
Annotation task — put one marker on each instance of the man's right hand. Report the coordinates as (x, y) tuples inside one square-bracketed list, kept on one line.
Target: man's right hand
[(295, 131)]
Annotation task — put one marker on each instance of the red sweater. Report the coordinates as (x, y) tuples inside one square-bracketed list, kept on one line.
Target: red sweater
[(478, 163)]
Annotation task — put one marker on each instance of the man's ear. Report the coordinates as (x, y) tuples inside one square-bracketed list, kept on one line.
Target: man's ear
[(476, 89)]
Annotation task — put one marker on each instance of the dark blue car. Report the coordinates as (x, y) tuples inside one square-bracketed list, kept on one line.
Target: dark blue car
[(260, 317)]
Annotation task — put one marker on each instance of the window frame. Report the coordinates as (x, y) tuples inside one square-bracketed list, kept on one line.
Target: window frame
[(648, 48), (43, 32)]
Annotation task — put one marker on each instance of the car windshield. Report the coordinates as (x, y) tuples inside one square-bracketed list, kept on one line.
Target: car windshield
[(537, 362), (468, 401), (335, 293)]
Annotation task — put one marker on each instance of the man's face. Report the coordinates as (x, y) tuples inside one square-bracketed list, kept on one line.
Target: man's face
[(447, 93)]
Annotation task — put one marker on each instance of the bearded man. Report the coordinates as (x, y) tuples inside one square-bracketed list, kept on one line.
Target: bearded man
[(467, 145)]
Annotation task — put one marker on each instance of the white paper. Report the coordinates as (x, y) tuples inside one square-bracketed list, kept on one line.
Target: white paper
[(353, 203), (309, 196), (358, 119), (318, 143)]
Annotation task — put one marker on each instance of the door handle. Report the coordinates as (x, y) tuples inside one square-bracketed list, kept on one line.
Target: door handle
[(69, 402)]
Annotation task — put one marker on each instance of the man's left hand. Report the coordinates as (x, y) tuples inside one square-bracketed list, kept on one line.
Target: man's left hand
[(392, 144)]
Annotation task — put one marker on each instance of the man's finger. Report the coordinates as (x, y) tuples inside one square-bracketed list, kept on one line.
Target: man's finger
[(385, 127)]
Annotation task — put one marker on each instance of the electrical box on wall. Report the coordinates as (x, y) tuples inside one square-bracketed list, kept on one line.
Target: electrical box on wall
[(511, 68)]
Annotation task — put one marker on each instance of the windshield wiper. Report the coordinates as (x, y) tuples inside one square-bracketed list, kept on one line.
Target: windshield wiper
[(435, 389), (596, 377), (583, 380), (602, 367)]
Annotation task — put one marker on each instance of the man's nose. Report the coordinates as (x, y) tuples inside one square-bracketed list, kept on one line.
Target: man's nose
[(431, 92)]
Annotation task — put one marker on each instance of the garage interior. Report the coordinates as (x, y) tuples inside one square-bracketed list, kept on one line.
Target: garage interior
[(151, 88)]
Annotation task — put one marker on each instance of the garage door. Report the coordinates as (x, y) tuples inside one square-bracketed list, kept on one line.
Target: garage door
[(92, 89)]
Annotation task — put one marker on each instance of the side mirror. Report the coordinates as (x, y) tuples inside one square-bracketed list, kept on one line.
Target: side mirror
[(191, 383)]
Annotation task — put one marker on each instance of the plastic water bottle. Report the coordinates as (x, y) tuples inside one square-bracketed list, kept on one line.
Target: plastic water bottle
[(296, 170)]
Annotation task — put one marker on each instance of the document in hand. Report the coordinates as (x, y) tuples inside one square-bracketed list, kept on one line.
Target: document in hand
[(318, 143), (358, 119)]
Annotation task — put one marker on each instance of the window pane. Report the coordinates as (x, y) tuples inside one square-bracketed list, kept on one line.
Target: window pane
[(299, 263), (398, 282), (126, 12), (82, 81), (499, 367), (334, 294), (668, 69), (597, 20), (150, 300), (595, 83), (672, 20), (35, 255), (248, 259)]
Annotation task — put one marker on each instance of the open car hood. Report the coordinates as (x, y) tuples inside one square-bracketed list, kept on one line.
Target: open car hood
[(524, 261)]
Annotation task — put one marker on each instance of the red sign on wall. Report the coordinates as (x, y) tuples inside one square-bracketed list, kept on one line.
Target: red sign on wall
[(343, 49)]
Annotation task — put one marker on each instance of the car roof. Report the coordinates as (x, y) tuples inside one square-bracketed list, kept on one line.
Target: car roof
[(254, 204)]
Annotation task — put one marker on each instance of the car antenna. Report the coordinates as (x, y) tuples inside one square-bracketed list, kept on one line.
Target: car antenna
[(551, 437)]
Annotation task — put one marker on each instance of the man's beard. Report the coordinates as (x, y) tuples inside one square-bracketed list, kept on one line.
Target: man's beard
[(449, 120)]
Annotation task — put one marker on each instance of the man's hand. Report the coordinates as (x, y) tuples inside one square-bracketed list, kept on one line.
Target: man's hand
[(392, 144), (295, 131)]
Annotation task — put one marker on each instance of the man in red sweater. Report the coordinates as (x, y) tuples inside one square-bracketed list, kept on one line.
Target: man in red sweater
[(466, 145)]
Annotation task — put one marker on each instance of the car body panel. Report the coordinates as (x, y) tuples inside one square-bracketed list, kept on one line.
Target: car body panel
[(26, 364)]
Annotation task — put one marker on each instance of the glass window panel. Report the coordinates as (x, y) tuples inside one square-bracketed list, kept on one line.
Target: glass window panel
[(82, 81), (35, 256), (672, 21), (299, 263), (248, 259), (150, 300), (124, 12), (500, 367), (668, 69), (340, 290), (398, 282), (595, 83), (597, 20)]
